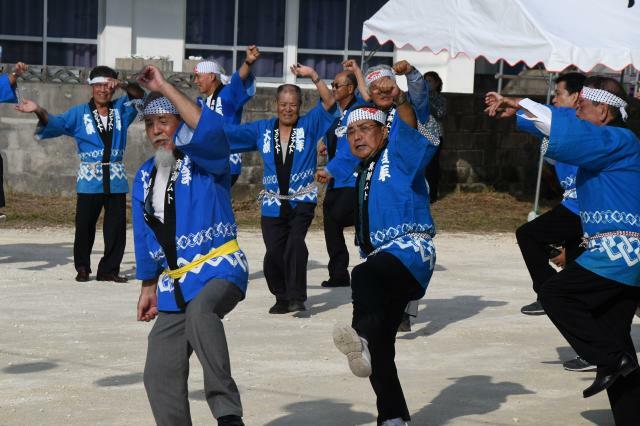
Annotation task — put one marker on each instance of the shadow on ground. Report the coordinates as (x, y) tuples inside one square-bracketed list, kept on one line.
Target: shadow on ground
[(29, 367), (120, 380), (599, 417), (47, 255), (322, 412), (439, 313), (469, 395)]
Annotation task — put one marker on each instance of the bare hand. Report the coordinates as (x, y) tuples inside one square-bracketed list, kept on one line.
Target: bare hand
[(351, 65), (402, 67), (498, 105), (20, 69), (322, 148), (387, 86), (323, 176), (300, 70), (253, 53), (147, 304), (561, 259), (27, 106), (113, 84), (151, 78)]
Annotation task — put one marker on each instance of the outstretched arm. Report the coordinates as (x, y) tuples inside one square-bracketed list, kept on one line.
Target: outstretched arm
[(28, 106), (253, 53), (152, 79), (300, 70), (352, 65), (18, 70)]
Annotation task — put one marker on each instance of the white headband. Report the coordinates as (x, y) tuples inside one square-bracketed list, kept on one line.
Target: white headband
[(378, 74), (98, 80), (599, 95), (159, 106), (212, 67), (367, 113)]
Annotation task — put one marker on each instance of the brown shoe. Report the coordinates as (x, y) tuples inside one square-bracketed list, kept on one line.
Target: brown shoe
[(83, 276), (112, 277)]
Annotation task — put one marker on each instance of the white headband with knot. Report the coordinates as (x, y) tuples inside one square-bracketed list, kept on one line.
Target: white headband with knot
[(378, 74), (159, 106), (599, 95), (98, 80), (212, 67), (367, 113)]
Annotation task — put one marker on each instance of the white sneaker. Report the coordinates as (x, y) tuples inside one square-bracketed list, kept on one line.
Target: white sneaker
[(638, 311), (394, 422), (3, 217), (355, 348)]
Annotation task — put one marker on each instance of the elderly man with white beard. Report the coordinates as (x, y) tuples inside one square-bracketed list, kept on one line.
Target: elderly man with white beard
[(192, 270)]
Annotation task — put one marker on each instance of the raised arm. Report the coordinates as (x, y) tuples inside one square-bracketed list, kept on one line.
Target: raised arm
[(152, 79), (417, 89), (18, 70), (253, 53), (324, 92), (352, 65)]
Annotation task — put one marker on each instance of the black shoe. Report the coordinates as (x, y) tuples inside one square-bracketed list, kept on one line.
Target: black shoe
[(329, 284), (606, 376), (83, 276), (579, 364), (280, 307), (534, 308), (230, 420), (112, 277), (297, 306), (405, 325)]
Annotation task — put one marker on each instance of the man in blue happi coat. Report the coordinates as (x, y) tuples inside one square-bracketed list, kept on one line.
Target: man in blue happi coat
[(592, 301), (8, 94), (192, 270), (100, 130), (340, 178), (394, 231), (287, 145), (227, 95)]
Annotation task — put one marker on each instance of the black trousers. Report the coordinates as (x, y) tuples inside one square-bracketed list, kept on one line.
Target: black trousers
[(558, 225), (2, 201), (339, 212), (381, 288), (88, 208), (594, 314), (285, 262)]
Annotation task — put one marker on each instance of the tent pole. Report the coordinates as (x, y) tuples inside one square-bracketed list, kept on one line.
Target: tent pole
[(635, 85), (536, 203), (362, 56), (500, 73)]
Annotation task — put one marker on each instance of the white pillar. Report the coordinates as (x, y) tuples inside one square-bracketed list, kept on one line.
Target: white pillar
[(291, 38), (115, 35)]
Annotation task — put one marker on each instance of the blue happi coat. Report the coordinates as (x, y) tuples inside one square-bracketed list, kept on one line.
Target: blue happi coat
[(258, 135), (608, 178), (398, 202), (203, 214), (78, 122), (229, 102), (566, 173), (343, 164), (7, 92)]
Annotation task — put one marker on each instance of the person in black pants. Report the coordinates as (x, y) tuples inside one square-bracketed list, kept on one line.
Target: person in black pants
[(100, 130), (338, 208)]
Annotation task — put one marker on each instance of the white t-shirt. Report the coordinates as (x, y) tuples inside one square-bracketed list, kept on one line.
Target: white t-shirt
[(159, 190), (105, 120)]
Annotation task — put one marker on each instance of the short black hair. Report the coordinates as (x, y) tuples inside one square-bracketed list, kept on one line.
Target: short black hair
[(573, 81), (434, 75), (103, 71), (352, 79), (290, 88)]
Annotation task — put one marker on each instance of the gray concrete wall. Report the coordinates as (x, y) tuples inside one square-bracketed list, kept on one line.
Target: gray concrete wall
[(477, 151)]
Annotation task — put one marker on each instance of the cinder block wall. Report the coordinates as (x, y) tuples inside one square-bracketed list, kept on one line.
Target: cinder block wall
[(477, 151)]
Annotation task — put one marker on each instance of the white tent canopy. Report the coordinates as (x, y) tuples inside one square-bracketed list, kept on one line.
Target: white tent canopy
[(558, 33)]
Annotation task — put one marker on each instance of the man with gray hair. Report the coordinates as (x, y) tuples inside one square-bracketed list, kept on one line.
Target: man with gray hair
[(227, 95), (192, 270)]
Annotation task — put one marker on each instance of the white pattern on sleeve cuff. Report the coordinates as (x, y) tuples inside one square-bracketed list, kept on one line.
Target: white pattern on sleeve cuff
[(541, 115)]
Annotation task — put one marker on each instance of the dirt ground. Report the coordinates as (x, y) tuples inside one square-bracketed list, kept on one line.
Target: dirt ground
[(73, 354)]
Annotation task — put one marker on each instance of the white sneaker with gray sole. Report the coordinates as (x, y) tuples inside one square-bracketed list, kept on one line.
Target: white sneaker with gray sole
[(355, 348)]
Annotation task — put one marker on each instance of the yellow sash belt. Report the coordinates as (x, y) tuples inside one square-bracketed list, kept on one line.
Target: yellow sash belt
[(227, 248)]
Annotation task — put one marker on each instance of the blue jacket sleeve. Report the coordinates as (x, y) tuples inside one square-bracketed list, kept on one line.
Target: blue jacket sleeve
[(580, 143), (318, 121), (418, 90), (128, 111), (7, 92), (240, 91), (528, 126), (58, 125), (243, 137), (206, 145), (412, 148), (146, 267)]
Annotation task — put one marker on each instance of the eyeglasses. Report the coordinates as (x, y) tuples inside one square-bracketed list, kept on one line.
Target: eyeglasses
[(364, 128), (336, 86)]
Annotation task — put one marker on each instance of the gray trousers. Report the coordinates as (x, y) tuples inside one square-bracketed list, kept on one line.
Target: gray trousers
[(172, 340)]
